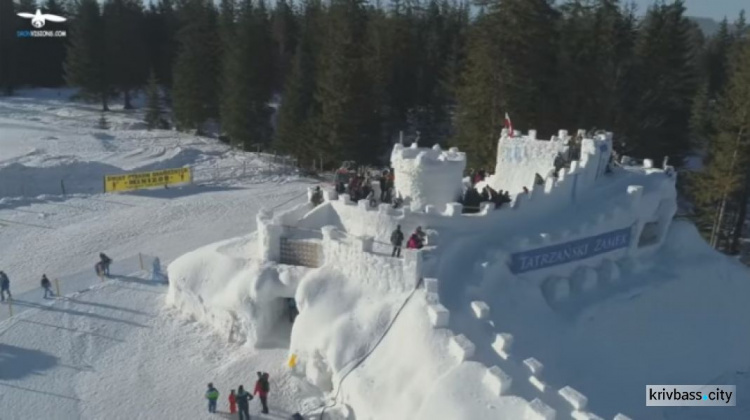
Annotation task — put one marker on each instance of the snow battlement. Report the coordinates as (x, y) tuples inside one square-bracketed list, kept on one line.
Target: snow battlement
[(427, 176), (521, 158)]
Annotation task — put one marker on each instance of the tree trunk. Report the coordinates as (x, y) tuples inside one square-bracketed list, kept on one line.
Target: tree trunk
[(734, 247), (720, 218), (128, 104), (105, 107)]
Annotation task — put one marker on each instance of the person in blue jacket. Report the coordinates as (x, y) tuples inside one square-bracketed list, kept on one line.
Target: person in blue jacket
[(212, 394)]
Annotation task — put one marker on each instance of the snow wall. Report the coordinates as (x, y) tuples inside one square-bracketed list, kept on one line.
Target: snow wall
[(520, 158)]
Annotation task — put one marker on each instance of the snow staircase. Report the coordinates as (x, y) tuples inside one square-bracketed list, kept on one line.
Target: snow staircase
[(304, 253)]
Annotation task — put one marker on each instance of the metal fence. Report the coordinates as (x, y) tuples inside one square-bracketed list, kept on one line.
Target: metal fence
[(301, 252), (141, 268)]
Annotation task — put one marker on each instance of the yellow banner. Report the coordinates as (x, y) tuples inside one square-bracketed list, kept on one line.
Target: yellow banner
[(137, 181)]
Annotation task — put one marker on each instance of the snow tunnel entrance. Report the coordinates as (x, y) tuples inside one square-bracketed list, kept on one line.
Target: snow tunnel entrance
[(292, 311)]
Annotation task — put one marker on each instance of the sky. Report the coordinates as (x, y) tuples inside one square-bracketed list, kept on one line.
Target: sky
[(715, 9)]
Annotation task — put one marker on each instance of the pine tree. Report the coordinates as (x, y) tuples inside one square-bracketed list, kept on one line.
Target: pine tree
[(50, 51), (126, 62), (665, 82), (245, 114), (591, 58), (153, 107), (526, 30), (343, 129), (85, 67), (196, 67), (479, 113), (285, 33), (298, 108), (161, 27), (701, 128), (725, 178), (7, 48)]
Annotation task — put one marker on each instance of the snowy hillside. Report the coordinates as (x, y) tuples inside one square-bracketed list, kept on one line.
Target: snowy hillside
[(113, 349)]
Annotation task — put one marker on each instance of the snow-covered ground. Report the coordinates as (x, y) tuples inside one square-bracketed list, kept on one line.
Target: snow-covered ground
[(116, 351)]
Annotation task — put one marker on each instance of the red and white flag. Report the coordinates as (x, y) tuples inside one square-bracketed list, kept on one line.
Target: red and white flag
[(508, 125)]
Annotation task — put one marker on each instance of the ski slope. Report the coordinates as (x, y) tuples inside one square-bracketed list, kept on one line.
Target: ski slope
[(113, 349)]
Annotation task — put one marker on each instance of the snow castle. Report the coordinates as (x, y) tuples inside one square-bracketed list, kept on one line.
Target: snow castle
[(564, 240)]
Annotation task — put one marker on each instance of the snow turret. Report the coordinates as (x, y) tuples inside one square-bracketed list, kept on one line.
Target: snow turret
[(428, 176)]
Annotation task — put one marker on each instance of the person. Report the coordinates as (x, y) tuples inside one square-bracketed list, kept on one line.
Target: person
[(317, 197), (397, 239), (106, 261), (538, 180), (421, 235), (47, 286), (383, 186), (4, 286), (212, 394), (232, 403), (416, 240), (525, 190), (243, 403), (261, 390)]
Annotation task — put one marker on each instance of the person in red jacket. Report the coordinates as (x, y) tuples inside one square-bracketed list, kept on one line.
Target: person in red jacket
[(262, 386), (232, 403)]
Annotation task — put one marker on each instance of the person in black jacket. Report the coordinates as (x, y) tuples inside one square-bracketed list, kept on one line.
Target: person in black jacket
[(243, 403), (397, 239), (106, 261), (47, 286), (4, 286)]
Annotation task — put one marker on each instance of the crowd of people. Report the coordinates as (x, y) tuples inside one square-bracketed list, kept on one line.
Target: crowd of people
[(359, 184), (239, 401)]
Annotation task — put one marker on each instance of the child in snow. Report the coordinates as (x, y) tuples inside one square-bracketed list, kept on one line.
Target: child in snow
[(232, 403), (261, 389), (243, 403), (47, 286), (4, 286), (212, 394)]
